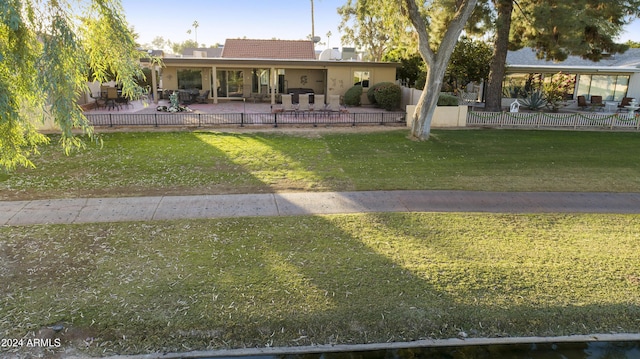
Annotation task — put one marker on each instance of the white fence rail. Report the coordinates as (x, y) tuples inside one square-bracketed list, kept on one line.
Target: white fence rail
[(542, 120)]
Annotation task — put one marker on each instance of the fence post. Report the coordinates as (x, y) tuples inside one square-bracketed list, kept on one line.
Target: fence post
[(353, 124), (275, 120), (199, 121), (110, 121), (611, 123), (155, 119), (242, 120)]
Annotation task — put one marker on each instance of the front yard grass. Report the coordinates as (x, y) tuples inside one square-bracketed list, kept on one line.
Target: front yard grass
[(227, 283), (255, 282), (174, 163)]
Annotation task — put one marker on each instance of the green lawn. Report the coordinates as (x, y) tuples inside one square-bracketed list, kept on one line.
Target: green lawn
[(155, 163), (203, 284), (227, 283)]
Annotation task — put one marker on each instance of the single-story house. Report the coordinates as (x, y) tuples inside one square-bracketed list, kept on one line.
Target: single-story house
[(263, 69), (614, 77)]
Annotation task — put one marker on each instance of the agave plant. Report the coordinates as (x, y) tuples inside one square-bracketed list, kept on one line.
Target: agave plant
[(535, 100)]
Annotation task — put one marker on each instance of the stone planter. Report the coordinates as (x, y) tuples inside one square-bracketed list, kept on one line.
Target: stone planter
[(443, 117)]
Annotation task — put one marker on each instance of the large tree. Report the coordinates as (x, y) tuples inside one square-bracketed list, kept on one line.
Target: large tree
[(556, 29), (48, 51), (436, 53), (371, 26)]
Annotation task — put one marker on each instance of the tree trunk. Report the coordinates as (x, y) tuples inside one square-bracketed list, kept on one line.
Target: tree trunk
[(421, 127), (493, 98)]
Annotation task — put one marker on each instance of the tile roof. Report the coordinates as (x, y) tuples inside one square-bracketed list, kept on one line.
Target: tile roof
[(268, 49)]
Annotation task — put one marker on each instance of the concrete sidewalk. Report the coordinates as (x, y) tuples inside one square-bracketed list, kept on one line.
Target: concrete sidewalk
[(87, 210)]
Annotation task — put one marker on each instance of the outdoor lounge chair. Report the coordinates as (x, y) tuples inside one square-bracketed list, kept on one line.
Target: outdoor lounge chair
[(334, 103), (596, 102), (626, 101), (112, 96), (99, 101), (582, 102), (303, 102), (287, 105), (203, 97), (318, 102)]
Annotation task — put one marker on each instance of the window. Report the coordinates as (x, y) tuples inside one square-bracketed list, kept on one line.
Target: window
[(260, 81), (230, 83), (189, 79), (361, 78), (610, 87)]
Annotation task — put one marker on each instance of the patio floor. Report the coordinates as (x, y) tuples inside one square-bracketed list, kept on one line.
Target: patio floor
[(222, 107)]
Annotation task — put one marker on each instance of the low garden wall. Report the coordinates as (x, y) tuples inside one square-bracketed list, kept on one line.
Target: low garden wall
[(443, 117)]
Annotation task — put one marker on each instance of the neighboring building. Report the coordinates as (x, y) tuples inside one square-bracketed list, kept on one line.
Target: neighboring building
[(265, 68), (614, 77)]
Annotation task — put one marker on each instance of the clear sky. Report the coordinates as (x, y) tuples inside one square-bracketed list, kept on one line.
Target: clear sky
[(253, 19), (222, 19)]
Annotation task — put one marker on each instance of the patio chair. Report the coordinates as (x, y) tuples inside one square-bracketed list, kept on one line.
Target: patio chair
[(99, 101), (287, 105), (318, 102), (204, 97), (123, 101), (596, 102), (303, 102), (334, 103), (112, 96), (626, 101), (582, 102)]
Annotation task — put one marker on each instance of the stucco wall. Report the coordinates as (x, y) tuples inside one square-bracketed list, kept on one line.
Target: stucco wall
[(443, 116), (634, 86), (340, 79), (170, 78)]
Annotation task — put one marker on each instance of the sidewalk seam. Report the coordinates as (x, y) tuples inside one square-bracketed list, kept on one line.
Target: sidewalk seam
[(155, 210), (275, 201)]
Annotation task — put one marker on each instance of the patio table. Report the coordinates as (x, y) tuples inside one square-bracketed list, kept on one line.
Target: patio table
[(611, 106)]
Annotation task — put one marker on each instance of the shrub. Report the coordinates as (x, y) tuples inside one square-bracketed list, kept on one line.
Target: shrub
[(371, 92), (388, 96), (447, 100), (352, 96)]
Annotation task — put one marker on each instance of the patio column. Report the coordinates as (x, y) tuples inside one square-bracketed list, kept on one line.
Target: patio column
[(154, 84), (214, 82), (274, 85)]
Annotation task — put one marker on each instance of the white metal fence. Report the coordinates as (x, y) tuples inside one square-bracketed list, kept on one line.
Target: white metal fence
[(542, 120)]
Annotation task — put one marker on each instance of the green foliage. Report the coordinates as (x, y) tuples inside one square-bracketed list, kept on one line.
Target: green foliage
[(47, 55), (412, 70), (469, 62), (388, 96), (371, 92), (556, 30), (373, 26), (178, 47), (447, 100), (353, 95), (557, 88), (633, 44)]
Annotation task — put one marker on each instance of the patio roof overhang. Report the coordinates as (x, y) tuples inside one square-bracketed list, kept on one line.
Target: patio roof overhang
[(279, 63), (571, 69)]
